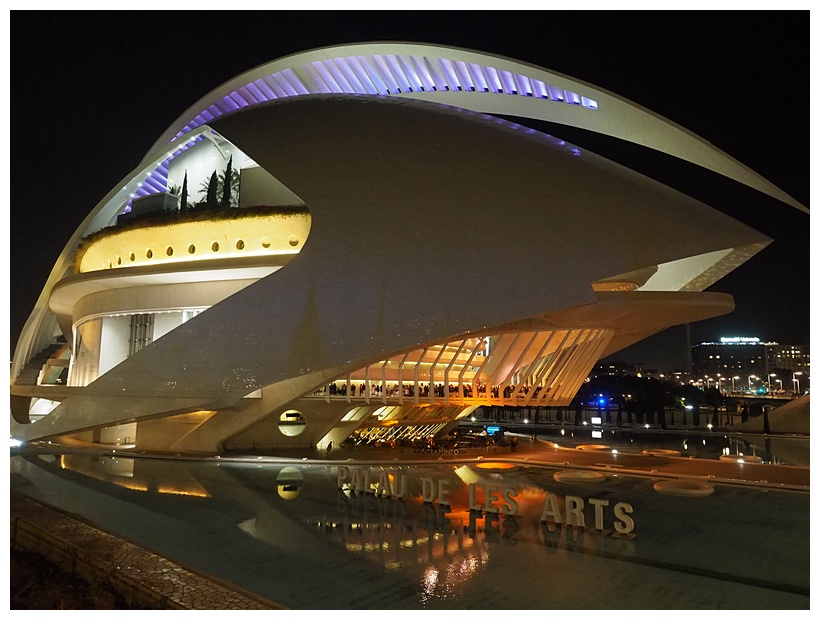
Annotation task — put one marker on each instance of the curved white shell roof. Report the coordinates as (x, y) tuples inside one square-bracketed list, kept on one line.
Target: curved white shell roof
[(467, 79)]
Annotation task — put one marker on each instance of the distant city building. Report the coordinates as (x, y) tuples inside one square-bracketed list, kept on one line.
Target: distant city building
[(747, 363), (794, 359), (616, 369)]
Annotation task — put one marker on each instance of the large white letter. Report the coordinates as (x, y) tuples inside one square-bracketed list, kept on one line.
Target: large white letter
[(489, 496), (400, 485), (384, 484), (575, 510), (551, 509), (621, 508), (341, 475), (443, 492), (599, 511), (511, 506), (356, 480), (473, 504), (428, 490)]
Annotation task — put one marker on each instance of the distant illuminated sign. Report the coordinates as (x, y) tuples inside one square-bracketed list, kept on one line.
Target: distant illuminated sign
[(739, 340), (492, 429)]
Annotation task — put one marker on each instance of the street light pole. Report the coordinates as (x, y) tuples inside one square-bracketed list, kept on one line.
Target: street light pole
[(797, 381), (771, 374), (733, 383), (750, 381)]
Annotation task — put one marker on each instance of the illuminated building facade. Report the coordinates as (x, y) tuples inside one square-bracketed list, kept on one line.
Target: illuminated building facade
[(389, 255), (752, 363)]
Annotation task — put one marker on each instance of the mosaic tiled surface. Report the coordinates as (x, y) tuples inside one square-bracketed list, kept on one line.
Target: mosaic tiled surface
[(137, 574)]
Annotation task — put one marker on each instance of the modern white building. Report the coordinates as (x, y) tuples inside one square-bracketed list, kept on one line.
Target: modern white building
[(392, 255)]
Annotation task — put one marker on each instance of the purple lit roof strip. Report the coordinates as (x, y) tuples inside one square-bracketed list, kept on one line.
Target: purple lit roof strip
[(365, 79), (248, 96), (492, 79), (410, 73), (539, 89), (556, 94), (264, 88), (524, 86), (396, 70), (283, 82), (387, 76), (318, 81), (507, 82), (228, 101), (223, 107), (295, 82), (404, 74), (350, 75), (280, 92), (375, 76), (154, 185), (573, 98), (327, 77), (449, 74), (435, 73), (238, 99), (337, 74), (258, 95), (464, 75), (478, 77), (423, 72)]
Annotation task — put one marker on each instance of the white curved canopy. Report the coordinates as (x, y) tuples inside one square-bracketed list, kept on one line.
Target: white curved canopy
[(464, 79)]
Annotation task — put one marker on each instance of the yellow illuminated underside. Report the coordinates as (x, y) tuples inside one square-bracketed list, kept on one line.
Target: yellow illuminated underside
[(171, 241)]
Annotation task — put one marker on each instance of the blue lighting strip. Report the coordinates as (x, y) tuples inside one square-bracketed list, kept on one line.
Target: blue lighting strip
[(388, 74)]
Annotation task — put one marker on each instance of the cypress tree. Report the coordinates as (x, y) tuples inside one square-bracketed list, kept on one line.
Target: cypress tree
[(226, 185), (183, 202), (210, 199)]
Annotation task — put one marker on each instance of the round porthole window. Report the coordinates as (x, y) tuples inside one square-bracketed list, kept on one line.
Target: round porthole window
[(149, 254), (289, 483), (214, 247), (293, 240), (265, 242), (119, 261), (169, 251), (240, 245), (191, 249), (291, 423), (132, 257)]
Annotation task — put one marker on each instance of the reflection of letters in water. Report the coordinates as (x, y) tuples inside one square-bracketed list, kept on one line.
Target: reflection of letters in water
[(493, 500)]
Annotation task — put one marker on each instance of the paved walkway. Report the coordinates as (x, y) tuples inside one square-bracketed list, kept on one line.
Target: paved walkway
[(141, 577)]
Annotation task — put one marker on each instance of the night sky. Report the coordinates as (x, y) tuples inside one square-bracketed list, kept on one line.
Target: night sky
[(91, 92)]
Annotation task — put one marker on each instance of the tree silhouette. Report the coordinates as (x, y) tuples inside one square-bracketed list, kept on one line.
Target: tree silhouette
[(226, 185), (183, 201)]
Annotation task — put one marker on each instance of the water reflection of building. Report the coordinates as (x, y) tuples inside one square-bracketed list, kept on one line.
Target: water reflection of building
[(292, 547)]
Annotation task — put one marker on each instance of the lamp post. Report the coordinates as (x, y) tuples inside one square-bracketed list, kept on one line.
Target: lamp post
[(719, 384), (750, 381), (771, 374), (797, 381), (708, 382), (780, 389), (733, 383)]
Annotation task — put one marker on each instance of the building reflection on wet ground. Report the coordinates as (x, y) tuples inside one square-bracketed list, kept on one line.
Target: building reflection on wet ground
[(463, 535)]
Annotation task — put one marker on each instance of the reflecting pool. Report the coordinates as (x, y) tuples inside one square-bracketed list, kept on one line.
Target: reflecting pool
[(490, 536)]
